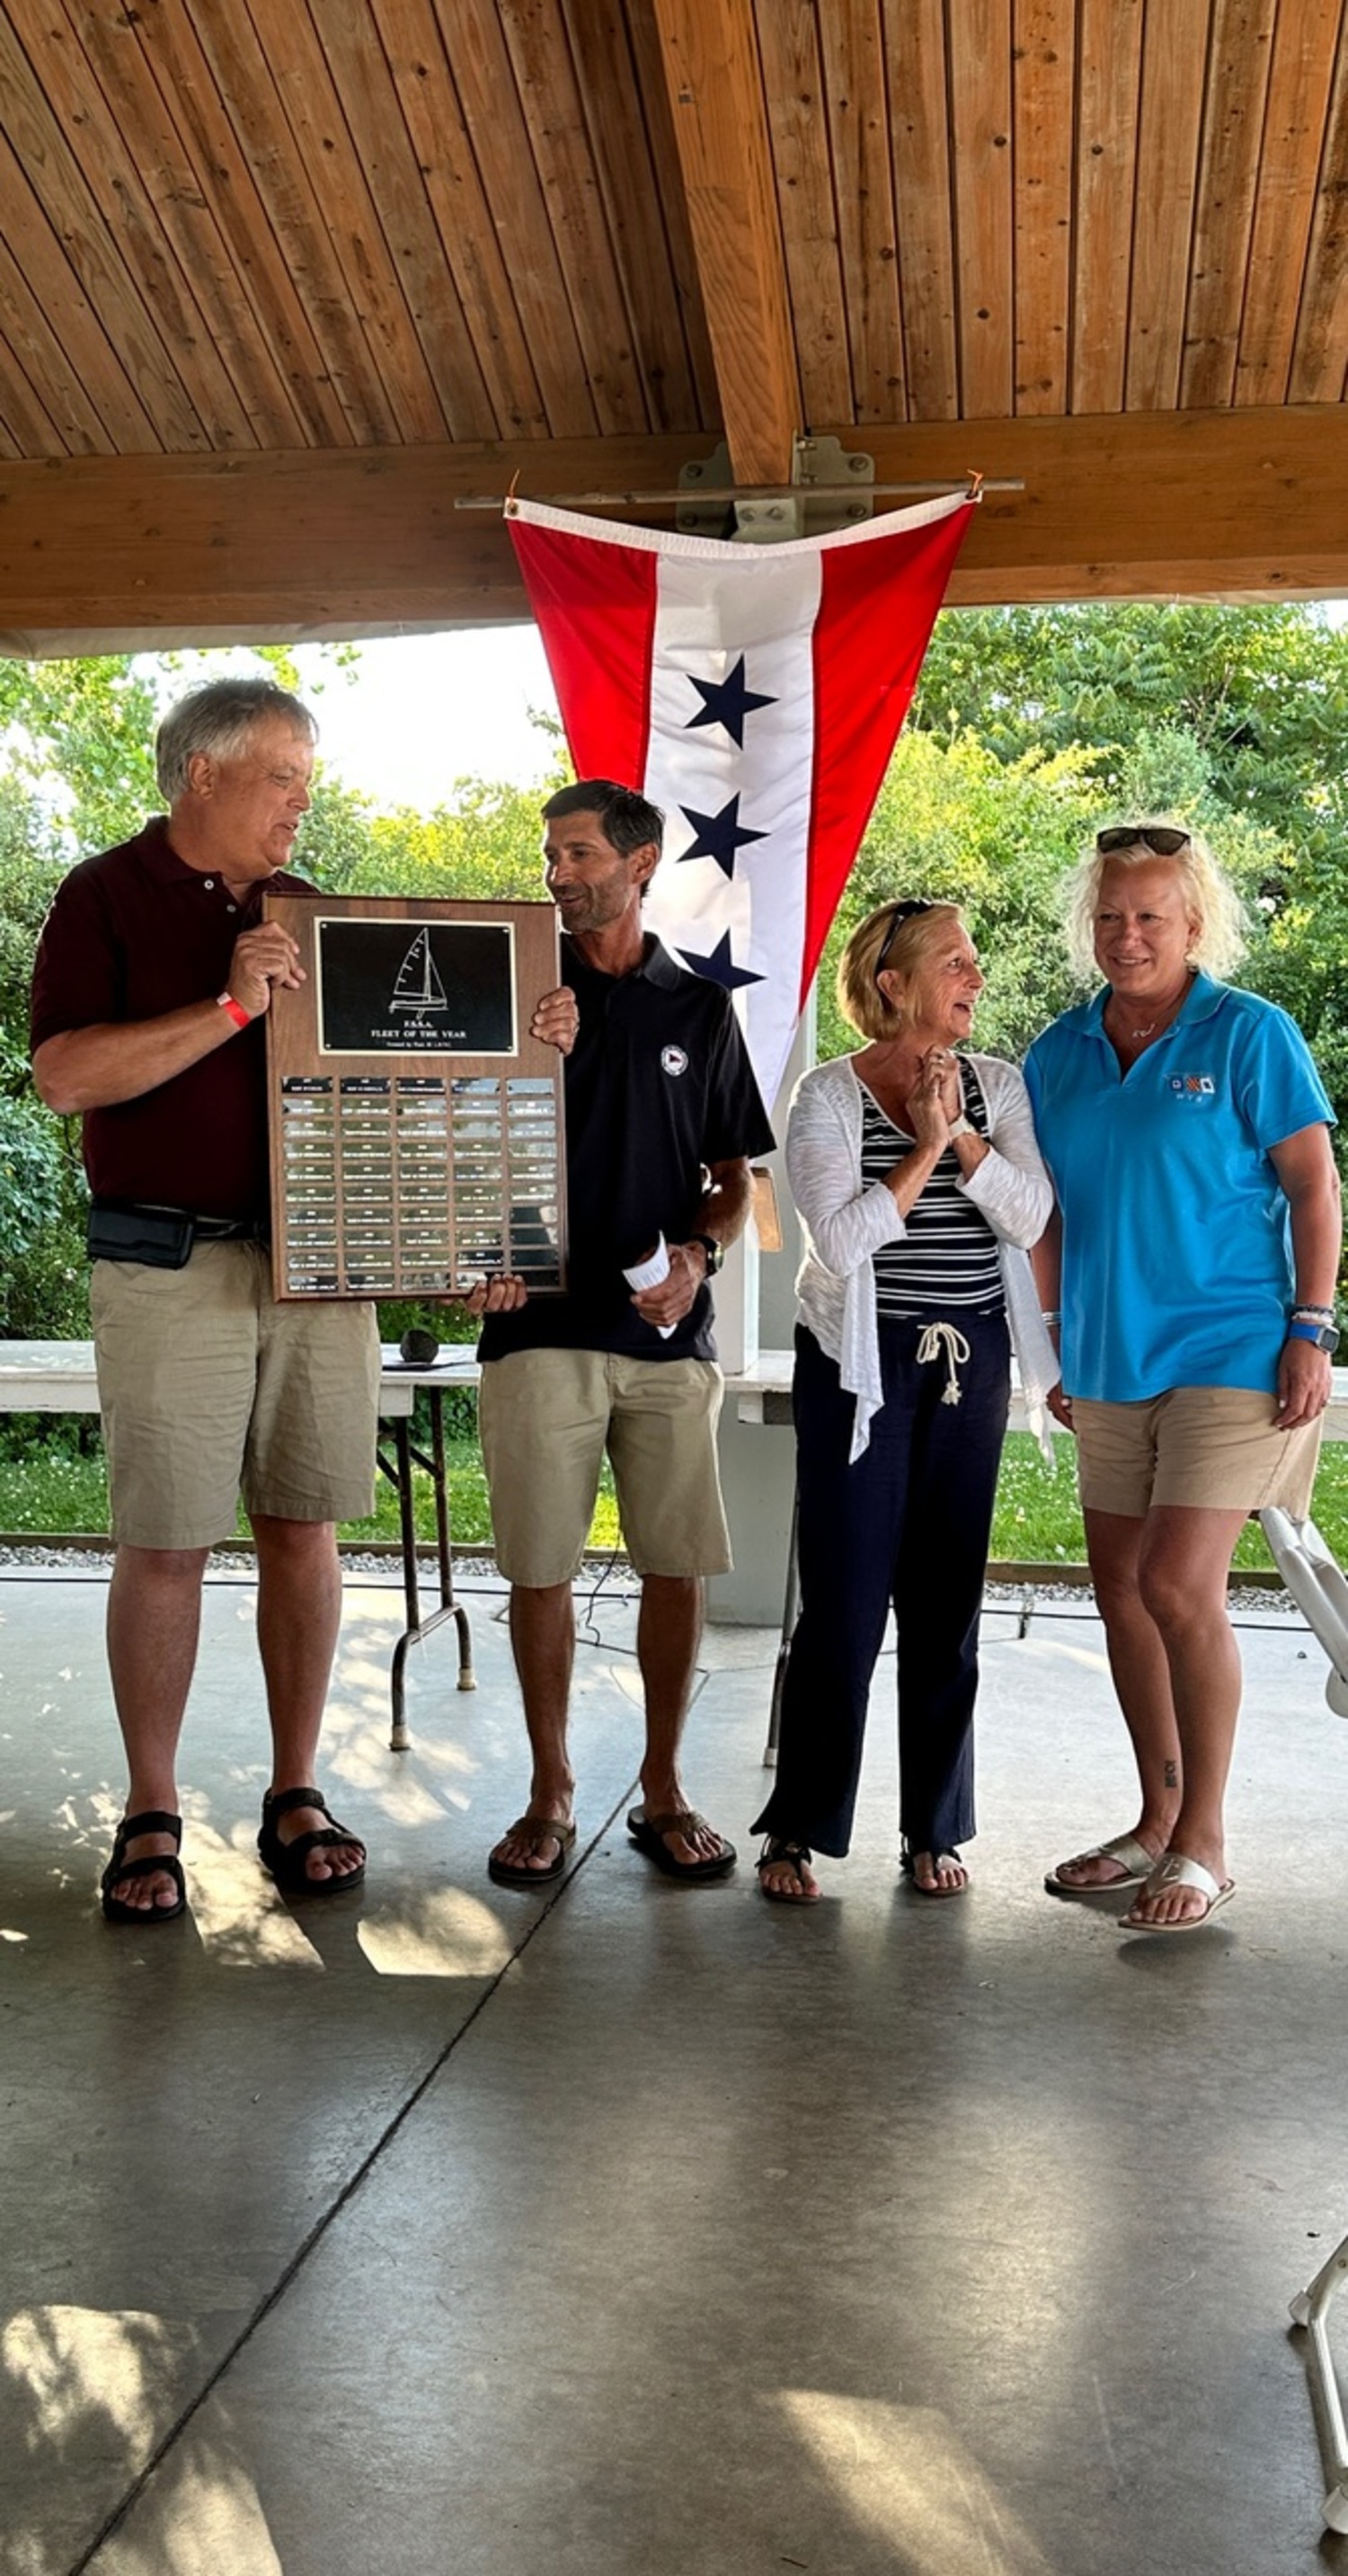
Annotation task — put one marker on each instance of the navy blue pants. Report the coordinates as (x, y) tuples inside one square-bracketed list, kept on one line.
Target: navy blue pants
[(907, 1524)]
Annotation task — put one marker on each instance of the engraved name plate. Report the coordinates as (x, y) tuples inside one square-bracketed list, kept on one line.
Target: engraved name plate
[(417, 1130)]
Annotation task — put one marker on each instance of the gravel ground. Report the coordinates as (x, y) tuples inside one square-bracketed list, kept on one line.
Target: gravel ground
[(92, 1562)]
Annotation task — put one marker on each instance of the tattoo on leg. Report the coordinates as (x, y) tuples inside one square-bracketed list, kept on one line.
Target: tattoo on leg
[(1172, 1775)]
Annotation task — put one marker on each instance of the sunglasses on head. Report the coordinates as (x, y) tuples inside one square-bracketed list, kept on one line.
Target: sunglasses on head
[(1162, 839), (905, 911)]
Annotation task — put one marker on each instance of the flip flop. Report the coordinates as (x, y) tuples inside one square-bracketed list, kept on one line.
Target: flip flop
[(908, 1865), (774, 1851), (1175, 1869), (648, 1834), (535, 1830), (1138, 1864)]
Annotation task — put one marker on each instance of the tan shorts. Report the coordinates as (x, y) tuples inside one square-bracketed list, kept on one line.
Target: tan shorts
[(209, 1389), (1212, 1448), (545, 1419)]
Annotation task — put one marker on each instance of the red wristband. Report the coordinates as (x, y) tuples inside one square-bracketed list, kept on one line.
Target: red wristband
[(226, 1002)]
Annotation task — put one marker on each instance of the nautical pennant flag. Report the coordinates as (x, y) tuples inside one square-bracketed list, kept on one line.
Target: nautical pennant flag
[(755, 693)]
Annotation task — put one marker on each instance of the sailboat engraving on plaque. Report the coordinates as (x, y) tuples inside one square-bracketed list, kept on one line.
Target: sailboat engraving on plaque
[(448, 990), (419, 987), (417, 1138)]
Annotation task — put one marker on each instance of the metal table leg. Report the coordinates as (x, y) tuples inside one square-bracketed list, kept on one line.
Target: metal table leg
[(400, 1476)]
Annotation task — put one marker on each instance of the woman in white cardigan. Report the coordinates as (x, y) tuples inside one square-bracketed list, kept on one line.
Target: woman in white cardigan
[(920, 1188)]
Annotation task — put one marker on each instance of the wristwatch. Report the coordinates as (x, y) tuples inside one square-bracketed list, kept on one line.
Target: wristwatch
[(713, 1251), (962, 1126), (1324, 1336)]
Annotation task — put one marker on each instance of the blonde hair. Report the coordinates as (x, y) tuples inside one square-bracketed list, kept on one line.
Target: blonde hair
[(1220, 942), (860, 1000)]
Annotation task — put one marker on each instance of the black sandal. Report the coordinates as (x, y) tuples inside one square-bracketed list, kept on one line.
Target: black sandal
[(908, 1865), (776, 1849), (115, 1908), (286, 1860)]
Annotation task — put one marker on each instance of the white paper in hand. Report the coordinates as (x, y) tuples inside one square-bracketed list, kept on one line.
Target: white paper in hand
[(649, 1274)]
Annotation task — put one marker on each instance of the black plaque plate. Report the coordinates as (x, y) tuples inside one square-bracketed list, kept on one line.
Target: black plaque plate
[(429, 988)]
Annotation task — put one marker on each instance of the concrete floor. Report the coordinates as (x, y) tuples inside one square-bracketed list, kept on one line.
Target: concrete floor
[(638, 2228)]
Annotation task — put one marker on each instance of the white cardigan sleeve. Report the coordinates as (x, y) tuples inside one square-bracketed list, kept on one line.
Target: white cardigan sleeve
[(845, 1225), (1010, 1187)]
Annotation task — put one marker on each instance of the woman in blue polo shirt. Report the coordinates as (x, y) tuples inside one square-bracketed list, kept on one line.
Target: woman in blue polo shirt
[(1190, 1268)]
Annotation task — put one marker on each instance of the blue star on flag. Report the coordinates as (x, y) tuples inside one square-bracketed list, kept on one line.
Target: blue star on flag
[(727, 702), (718, 968), (719, 836)]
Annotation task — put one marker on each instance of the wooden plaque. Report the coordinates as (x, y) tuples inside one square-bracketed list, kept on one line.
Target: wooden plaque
[(417, 1135)]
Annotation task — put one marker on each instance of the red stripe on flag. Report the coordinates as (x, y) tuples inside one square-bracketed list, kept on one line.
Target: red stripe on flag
[(595, 606), (867, 655)]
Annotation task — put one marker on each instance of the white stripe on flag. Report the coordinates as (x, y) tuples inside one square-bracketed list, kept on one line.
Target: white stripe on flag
[(763, 612)]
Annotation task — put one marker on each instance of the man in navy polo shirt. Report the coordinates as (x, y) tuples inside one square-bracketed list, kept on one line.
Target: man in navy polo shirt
[(662, 1115)]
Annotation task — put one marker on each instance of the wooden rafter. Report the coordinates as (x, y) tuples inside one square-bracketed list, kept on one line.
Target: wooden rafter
[(721, 133), (374, 255), (1234, 504)]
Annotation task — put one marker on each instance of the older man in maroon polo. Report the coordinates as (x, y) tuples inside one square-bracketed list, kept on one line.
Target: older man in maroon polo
[(153, 977)]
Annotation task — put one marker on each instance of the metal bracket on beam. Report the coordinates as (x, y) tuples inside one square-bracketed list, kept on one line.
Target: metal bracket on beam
[(714, 473), (831, 487)]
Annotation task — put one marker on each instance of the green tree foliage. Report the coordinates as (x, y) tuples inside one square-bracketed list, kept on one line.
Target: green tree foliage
[(483, 849), (1233, 719), (955, 823), (79, 736), (1029, 729)]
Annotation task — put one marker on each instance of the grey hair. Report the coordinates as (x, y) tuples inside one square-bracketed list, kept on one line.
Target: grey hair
[(217, 718), (1221, 940)]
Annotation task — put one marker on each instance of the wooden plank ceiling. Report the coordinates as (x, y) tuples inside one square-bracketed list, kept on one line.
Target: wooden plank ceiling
[(281, 281)]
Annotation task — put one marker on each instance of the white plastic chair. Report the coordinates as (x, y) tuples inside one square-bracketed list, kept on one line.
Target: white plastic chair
[(1309, 2309), (1320, 1592)]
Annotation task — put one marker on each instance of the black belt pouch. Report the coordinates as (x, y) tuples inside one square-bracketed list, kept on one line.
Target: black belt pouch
[(159, 1237)]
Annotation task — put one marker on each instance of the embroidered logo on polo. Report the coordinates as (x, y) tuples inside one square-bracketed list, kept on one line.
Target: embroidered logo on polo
[(673, 1059), (1193, 1086)]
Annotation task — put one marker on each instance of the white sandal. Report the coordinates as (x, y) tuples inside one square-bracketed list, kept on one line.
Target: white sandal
[(1137, 1865), (1175, 1869)]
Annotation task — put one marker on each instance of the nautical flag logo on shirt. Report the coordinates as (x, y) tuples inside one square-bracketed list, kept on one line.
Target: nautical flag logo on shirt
[(755, 693), (1193, 1086)]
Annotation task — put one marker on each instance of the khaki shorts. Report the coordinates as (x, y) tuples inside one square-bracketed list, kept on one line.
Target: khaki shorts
[(545, 1419), (209, 1389), (1212, 1448)]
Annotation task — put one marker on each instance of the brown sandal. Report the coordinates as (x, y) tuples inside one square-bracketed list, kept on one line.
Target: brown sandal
[(648, 1833), (535, 1830)]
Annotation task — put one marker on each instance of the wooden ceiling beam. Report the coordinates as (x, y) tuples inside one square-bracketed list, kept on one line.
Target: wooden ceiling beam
[(97, 550), (725, 162)]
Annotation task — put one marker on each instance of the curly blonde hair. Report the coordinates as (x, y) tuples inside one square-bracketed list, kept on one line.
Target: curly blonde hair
[(1221, 941), (860, 1000)]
